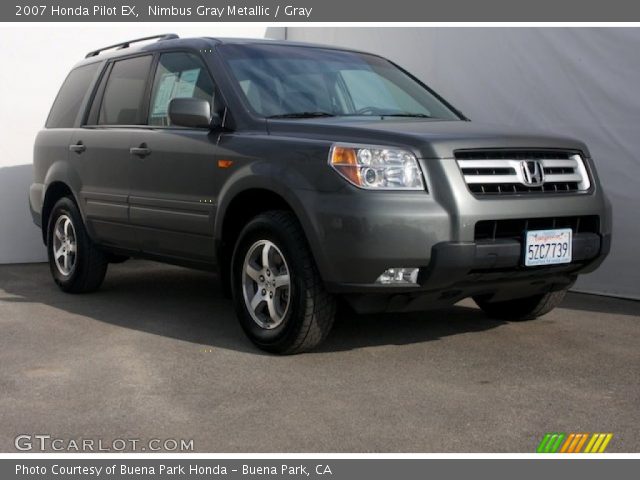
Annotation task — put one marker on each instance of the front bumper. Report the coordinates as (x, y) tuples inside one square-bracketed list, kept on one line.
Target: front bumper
[(454, 263), (460, 270), (356, 235)]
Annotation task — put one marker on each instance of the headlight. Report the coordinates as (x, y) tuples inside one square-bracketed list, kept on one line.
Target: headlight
[(377, 168)]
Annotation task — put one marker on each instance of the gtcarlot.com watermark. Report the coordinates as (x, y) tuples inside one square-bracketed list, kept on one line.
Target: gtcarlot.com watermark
[(50, 443)]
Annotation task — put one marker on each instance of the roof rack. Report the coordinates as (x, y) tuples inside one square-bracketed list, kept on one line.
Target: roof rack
[(164, 36)]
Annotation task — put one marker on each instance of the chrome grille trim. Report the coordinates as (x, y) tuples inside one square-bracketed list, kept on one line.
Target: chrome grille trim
[(504, 174)]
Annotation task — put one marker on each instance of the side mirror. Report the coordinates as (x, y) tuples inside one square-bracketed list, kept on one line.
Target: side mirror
[(191, 112)]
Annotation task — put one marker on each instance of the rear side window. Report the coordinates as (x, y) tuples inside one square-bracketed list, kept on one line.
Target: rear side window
[(67, 104), (123, 100), (179, 75)]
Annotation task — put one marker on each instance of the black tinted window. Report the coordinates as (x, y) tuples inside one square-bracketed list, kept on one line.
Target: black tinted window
[(67, 104), (179, 75), (123, 100)]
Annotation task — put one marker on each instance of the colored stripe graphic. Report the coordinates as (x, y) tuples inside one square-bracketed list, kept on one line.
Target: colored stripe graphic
[(543, 443), (571, 439), (555, 442), (551, 443), (581, 443), (598, 443), (574, 442), (558, 441), (594, 437), (606, 441)]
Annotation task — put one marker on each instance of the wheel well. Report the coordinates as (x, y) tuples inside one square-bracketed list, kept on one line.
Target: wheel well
[(240, 211), (55, 192)]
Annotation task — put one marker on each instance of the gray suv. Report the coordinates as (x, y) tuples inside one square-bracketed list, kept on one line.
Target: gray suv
[(303, 173)]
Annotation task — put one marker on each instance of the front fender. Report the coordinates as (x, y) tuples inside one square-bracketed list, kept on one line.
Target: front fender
[(262, 175)]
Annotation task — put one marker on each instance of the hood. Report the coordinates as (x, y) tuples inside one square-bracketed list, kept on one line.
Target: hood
[(428, 138)]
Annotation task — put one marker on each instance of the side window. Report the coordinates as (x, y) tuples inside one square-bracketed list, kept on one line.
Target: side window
[(179, 75), (67, 104), (123, 100)]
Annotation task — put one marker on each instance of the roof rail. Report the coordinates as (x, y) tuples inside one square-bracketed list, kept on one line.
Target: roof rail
[(164, 36)]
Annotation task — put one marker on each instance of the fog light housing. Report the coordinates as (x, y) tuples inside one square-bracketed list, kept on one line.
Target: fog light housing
[(399, 276)]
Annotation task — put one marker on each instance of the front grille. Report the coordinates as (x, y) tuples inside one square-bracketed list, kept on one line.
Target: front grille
[(490, 230), (513, 172)]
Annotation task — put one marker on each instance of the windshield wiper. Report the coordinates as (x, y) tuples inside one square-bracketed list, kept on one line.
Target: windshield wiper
[(302, 115), (414, 115)]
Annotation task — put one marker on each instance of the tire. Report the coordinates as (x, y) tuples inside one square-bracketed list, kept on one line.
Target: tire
[(521, 309), (86, 264), (301, 313)]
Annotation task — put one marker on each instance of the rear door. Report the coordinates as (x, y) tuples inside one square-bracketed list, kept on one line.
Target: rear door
[(53, 143), (100, 149), (175, 178)]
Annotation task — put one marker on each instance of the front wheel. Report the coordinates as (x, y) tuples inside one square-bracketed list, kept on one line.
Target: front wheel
[(521, 309), (278, 294)]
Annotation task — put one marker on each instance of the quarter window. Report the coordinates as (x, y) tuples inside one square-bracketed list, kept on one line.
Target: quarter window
[(123, 100), (179, 75), (67, 104)]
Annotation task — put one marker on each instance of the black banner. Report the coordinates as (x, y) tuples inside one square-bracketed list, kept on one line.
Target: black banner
[(318, 11)]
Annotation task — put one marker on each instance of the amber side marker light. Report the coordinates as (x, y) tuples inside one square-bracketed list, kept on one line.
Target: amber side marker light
[(225, 163), (344, 160)]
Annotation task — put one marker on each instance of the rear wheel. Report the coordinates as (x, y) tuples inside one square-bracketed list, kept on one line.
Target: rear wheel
[(278, 294), (76, 264), (521, 309)]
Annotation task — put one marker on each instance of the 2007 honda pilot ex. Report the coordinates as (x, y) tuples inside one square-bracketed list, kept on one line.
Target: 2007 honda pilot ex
[(300, 173)]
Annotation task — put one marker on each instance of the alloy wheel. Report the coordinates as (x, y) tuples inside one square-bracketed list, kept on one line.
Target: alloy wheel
[(65, 245), (266, 284)]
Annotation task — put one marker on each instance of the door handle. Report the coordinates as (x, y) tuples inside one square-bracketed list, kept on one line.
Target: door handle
[(78, 147), (141, 151)]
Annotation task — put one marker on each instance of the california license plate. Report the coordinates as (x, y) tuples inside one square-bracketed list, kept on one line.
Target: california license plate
[(547, 247)]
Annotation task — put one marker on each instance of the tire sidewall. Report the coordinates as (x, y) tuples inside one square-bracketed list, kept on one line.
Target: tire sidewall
[(265, 228)]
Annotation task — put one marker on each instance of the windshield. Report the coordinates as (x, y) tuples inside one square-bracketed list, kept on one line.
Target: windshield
[(298, 82)]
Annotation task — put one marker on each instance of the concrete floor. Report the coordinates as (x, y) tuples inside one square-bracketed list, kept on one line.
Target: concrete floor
[(157, 353)]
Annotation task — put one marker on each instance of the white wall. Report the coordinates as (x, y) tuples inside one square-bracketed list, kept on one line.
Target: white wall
[(34, 60), (573, 81)]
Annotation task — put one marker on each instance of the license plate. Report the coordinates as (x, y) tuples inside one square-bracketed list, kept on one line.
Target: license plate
[(547, 247)]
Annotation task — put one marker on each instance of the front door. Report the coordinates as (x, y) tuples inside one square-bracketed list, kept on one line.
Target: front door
[(174, 176)]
